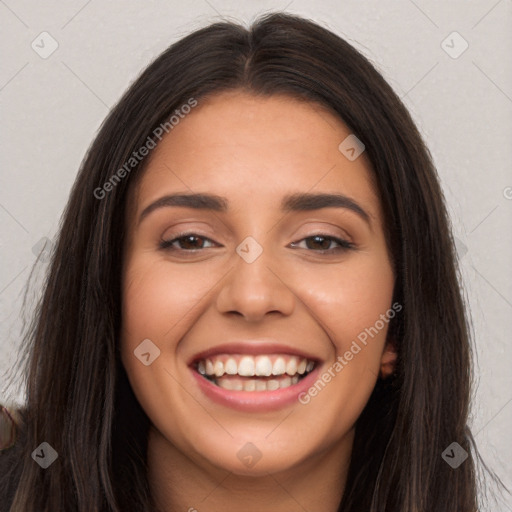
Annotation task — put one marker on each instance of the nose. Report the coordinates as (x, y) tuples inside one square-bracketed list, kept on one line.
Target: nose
[(256, 289)]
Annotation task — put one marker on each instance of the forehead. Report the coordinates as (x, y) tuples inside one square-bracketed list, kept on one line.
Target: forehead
[(253, 150)]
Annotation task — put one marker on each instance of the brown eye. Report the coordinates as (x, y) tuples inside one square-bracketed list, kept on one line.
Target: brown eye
[(322, 243), (185, 242)]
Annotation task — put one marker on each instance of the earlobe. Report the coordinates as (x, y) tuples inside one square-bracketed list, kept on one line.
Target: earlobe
[(388, 360)]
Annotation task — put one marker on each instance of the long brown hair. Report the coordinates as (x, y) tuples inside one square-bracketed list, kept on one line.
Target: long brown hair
[(78, 396)]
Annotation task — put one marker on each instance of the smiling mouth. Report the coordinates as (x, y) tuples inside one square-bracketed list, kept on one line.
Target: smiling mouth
[(240, 372)]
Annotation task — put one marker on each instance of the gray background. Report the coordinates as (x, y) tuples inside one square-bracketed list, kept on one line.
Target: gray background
[(52, 108)]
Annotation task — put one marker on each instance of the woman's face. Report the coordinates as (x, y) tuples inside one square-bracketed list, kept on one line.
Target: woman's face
[(279, 286)]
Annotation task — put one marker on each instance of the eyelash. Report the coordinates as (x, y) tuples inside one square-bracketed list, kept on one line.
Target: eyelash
[(344, 245)]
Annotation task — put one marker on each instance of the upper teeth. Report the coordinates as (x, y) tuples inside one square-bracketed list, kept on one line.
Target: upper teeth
[(248, 366)]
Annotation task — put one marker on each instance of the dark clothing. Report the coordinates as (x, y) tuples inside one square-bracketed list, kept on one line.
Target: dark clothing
[(11, 464)]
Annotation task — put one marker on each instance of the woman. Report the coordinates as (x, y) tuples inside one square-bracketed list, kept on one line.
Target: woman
[(253, 300)]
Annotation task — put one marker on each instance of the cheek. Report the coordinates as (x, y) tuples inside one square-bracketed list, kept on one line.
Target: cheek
[(349, 304), (353, 304), (157, 303), (347, 299), (156, 299)]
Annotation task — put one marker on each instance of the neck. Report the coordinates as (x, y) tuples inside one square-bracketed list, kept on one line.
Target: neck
[(179, 483)]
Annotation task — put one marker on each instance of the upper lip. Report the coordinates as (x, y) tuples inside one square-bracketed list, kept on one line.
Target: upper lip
[(252, 347)]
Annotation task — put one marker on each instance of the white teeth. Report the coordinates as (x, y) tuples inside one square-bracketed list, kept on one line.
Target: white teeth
[(261, 385), (249, 366), (279, 367), (272, 385), (231, 367), (246, 366), (226, 384), (238, 385), (263, 366), (285, 382), (218, 368), (250, 385), (291, 366)]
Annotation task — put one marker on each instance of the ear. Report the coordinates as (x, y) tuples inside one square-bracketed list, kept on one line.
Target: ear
[(388, 359)]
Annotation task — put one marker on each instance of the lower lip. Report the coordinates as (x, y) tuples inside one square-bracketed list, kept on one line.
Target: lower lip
[(256, 401)]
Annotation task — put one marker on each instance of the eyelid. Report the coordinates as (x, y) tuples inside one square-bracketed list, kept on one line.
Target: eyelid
[(166, 244), (343, 244)]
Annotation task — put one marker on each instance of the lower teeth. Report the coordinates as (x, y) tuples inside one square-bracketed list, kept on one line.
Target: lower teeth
[(258, 384)]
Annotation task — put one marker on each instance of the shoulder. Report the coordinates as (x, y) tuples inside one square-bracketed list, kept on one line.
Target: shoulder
[(13, 432)]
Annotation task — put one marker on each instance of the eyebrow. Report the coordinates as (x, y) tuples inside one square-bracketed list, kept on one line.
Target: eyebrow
[(298, 202)]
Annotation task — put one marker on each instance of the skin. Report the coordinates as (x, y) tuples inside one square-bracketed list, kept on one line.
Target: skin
[(253, 151)]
